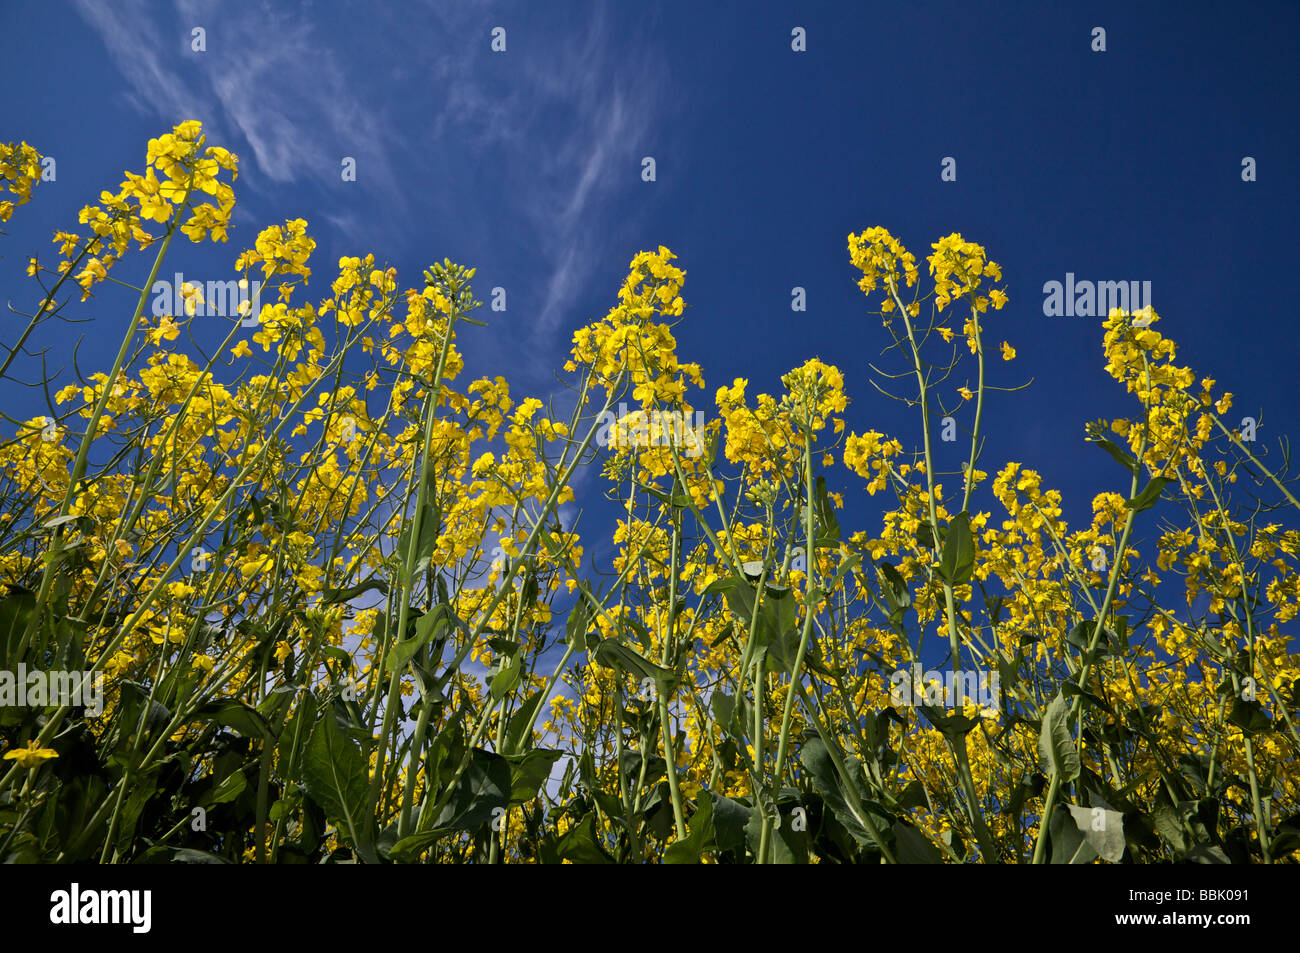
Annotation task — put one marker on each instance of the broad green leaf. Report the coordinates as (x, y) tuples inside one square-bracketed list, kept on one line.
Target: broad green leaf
[(1069, 846), (1149, 495), (335, 774), (1250, 717), (826, 526), (428, 539), (237, 716), (1118, 454), (518, 736), (15, 612), (958, 560), (1102, 829), (580, 845), (295, 732), (787, 845), (719, 585), (485, 785), (579, 621), (332, 596), (407, 849), (954, 726), (688, 851), (913, 847), (814, 756), (230, 788), (1026, 788), (1071, 689), (729, 821), (529, 772), (612, 653), (507, 678), (1056, 744), (898, 597)]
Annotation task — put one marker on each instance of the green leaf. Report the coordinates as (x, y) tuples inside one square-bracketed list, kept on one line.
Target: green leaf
[(814, 756), (335, 774), (925, 535), (719, 585), (898, 597), (733, 718), (529, 772), (579, 621), (304, 714), (1069, 688), (729, 821), (1205, 854), (1250, 717), (1028, 787), (612, 653), (787, 845), (427, 542), (1069, 846), (776, 615), (517, 734), (958, 560), (60, 521), (640, 631), (1149, 495), (407, 849), (230, 788), (15, 613), (237, 716), (507, 678), (688, 850), (1102, 829), (1118, 454), (846, 566), (580, 845), (955, 727), (1056, 744), (913, 847), (338, 655), (184, 855), (331, 596), (912, 796), (827, 527), (427, 626), (486, 785)]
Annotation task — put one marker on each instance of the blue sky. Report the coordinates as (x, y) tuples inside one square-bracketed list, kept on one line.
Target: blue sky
[(1116, 165)]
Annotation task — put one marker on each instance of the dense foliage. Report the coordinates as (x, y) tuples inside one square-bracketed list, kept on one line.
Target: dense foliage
[(291, 559)]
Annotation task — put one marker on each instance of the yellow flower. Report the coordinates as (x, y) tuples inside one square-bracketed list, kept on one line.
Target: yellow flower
[(167, 329), (241, 350), (31, 757), (1008, 352)]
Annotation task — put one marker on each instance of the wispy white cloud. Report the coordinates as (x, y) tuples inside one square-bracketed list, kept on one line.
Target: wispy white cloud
[(560, 119), (269, 76), (566, 124)]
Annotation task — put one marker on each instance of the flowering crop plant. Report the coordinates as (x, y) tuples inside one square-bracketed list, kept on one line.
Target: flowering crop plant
[(323, 583)]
